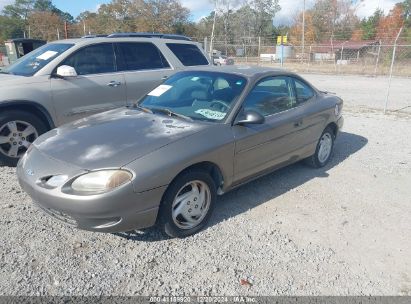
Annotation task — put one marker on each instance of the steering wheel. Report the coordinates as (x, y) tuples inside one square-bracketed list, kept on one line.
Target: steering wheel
[(223, 105)]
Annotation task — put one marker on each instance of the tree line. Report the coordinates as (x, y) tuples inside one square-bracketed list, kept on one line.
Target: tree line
[(230, 21), (338, 20)]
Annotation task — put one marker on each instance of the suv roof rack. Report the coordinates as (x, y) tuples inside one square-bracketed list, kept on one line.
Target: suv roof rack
[(94, 36), (150, 35)]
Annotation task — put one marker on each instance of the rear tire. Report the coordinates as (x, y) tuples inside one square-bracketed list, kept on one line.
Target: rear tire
[(187, 204), (323, 151), (18, 130)]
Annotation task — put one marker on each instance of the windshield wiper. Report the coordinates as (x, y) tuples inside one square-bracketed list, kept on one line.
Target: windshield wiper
[(326, 92), (170, 113), (146, 110)]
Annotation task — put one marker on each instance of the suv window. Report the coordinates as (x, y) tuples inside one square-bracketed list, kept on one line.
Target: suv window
[(303, 91), (94, 59), (188, 54), (140, 56), (271, 95)]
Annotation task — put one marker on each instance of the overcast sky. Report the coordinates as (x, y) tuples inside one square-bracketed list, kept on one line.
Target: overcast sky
[(201, 8)]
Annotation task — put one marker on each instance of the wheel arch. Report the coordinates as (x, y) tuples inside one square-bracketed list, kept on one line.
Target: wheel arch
[(334, 127), (30, 107), (211, 168)]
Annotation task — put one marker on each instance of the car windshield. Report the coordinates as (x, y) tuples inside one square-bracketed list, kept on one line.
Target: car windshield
[(34, 61), (207, 96)]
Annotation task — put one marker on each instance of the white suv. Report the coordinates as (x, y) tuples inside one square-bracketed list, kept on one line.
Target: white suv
[(69, 79)]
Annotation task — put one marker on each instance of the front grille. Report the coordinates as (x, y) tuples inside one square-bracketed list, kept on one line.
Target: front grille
[(61, 216)]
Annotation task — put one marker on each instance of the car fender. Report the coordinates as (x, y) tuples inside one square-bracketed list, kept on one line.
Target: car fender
[(162, 166)]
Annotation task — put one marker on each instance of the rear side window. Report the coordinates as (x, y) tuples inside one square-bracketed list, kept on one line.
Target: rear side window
[(303, 91), (136, 56), (188, 54), (94, 59)]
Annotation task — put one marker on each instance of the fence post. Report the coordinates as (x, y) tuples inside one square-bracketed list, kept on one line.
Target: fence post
[(377, 61), (282, 55), (309, 58), (391, 69), (259, 50), (206, 44)]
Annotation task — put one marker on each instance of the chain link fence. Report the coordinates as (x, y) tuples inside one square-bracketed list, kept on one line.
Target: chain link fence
[(349, 65), (335, 57)]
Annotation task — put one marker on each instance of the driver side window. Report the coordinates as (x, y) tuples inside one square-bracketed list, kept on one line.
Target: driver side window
[(270, 96), (94, 59)]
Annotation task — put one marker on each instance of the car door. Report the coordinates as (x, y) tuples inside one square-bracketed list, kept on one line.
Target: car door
[(263, 146), (98, 86), (313, 120), (144, 67)]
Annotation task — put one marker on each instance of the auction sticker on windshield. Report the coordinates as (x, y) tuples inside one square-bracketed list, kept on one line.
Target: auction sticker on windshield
[(47, 55), (210, 114), (160, 90)]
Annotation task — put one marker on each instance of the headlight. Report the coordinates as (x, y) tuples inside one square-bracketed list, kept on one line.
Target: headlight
[(337, 110), (101, 181)]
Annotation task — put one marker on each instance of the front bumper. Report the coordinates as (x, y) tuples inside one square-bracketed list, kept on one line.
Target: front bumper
[(116, 211), (340, 124)]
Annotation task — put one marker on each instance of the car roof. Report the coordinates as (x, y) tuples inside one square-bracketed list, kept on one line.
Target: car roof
[(250, 72)]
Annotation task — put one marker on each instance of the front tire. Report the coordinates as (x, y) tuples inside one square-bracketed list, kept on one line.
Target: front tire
[(187, 204), (18, 130), (324, 149)]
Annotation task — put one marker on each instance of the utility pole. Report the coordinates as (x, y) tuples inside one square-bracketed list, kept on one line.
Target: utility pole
[(303, 33), (65, 30), (212, 31), (391, 69)]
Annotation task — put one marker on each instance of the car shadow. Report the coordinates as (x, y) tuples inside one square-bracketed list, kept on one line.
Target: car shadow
[(265, 188)]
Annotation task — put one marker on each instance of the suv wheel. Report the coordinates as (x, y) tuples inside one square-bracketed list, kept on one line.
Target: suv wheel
[(18, 130), (188, 204)]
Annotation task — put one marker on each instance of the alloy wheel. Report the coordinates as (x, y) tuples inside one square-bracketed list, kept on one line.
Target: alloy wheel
[(326, 144), (16, 137)]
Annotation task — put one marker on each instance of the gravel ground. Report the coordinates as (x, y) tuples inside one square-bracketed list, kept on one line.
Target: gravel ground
[(366, 91), (342, 230)]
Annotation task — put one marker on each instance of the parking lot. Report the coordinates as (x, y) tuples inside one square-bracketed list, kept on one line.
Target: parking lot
[(340, 230)]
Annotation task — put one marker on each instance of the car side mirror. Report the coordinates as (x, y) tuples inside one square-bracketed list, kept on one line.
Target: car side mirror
[(66, 71), (250, 117)]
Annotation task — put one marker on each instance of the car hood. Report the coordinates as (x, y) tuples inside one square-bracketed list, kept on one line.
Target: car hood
[(114, 139)]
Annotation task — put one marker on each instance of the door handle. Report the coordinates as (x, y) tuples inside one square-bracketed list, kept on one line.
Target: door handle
[(298, 123), (114, 84), (164, 77)]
